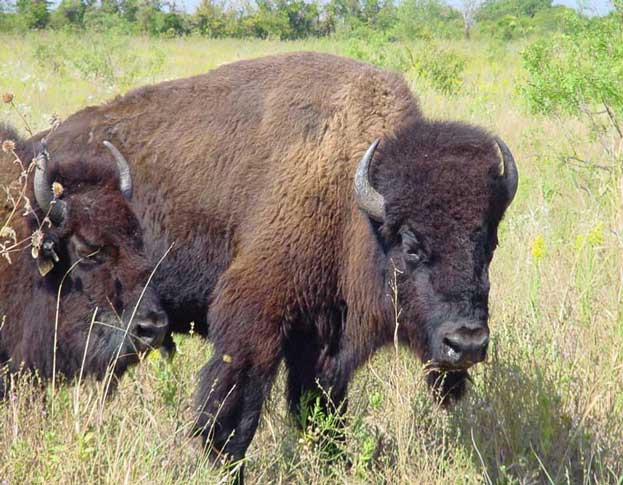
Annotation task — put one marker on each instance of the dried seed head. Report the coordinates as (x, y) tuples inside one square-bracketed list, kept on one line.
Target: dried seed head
[(55, 121), (36, 240), (57, 190), (7, 97), (8, 232), (8, 146)]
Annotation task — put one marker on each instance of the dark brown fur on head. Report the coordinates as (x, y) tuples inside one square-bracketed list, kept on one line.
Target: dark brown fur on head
[(442, 186)]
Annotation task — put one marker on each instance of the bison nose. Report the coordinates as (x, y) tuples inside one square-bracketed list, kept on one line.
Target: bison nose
[(151, 328), (465, 346)]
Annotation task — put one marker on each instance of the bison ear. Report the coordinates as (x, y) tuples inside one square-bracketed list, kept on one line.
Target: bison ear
[(44, 266), (47, 256)]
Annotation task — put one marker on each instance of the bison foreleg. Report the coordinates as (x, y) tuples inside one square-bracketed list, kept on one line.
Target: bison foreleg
[(317, 385), (238, 377)]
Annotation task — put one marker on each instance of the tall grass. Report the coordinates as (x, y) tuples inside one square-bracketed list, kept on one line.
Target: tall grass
[(547, 407)]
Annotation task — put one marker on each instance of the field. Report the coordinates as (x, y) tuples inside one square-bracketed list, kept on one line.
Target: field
[(547, 406)]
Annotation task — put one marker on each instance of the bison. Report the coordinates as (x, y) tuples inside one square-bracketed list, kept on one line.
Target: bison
[(301, 190), (89, 257)]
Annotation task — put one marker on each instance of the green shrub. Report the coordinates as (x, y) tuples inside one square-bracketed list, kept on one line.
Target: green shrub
[(427, 19), (376, 49), (32, 14), (102, 57), (581, 68), (69, 13), (443, 68)]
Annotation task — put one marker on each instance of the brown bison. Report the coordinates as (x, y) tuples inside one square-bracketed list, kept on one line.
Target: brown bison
[(292, 225), (90, 254)]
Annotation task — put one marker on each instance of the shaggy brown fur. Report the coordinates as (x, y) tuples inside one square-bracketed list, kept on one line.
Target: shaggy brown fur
[(249, 170), (100, 220)]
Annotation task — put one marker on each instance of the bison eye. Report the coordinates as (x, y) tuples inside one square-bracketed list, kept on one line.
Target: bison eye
[(412, 248), (413, 256), (88, 253)]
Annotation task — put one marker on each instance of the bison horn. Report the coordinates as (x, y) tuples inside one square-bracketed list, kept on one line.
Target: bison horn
[(125, 178), (368, 199), (511, 176), (43, 188)]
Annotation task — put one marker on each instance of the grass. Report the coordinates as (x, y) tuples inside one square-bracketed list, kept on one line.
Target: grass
[(547, 407)]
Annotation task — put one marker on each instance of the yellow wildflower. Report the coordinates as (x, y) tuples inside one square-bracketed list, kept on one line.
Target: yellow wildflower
[(538, 247), (595, 236)]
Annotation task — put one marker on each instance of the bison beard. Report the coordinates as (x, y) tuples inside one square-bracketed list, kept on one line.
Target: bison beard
[(281, 252)]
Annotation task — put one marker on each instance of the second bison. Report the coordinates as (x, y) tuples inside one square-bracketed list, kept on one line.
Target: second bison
[(77, 304)]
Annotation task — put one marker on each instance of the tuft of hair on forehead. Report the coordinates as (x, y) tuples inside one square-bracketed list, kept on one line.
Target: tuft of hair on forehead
[(447, 170), (425, 149), (429, 141)]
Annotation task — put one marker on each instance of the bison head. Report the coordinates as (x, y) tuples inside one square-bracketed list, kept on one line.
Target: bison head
[(441, 195), (91, 254)]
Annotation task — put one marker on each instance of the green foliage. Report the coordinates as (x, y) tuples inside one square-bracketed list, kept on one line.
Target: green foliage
[(375, 48), (495, 9), (427, 19), (580, 69), (32, 14), (97, 20), (69, 13), (96, 57), (404, 20), (443, 68), (212, 20)]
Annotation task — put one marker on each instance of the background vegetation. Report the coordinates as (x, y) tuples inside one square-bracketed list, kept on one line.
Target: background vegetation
[(547, 407), (292, 19)]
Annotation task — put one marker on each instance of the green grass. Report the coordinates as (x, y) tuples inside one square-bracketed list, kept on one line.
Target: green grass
[(547, 407)]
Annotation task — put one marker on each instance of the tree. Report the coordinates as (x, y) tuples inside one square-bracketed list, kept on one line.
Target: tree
[(580, 72), (469, 9), (33, 14), (496, 9), (68, 12), (209, 19), (425, 19)]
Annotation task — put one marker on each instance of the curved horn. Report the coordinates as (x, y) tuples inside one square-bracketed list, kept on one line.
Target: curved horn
[(368, 199), (125, 178), (43, 188), (511, 176)]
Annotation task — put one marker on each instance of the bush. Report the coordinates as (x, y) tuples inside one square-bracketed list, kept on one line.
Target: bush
[(427, 19), (376, 48), (103, 57), (97, 20), (578, 69), (32, 14), (69, 13), (443, 68)]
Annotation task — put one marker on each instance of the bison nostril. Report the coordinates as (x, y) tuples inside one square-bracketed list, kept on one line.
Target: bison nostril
[(158, 318), (151, 329), (452, 348)]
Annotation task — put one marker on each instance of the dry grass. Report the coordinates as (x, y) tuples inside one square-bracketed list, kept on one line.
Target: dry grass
[(546, 408)]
